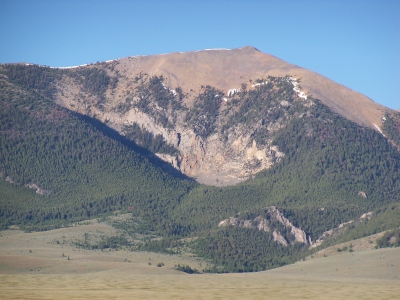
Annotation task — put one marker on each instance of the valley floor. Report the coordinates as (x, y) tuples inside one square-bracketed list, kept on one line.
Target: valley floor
[(43, 265)]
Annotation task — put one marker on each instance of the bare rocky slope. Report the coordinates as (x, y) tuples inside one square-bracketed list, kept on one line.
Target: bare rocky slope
[(268, 223), (213, 158)]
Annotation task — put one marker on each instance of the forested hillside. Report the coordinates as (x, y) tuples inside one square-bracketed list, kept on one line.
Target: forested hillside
[(83, 172), (323, 170), (391, 127), (329, 163)]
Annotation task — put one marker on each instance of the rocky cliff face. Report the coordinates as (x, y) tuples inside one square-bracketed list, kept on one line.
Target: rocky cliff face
[(273, 222), (223, 151)]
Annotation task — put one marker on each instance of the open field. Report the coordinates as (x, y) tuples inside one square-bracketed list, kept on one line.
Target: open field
[(36, 266)]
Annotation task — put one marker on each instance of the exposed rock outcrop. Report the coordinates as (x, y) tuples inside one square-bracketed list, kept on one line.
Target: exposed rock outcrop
[(272, 222), (332, 232), (39, 190), (216, 159)]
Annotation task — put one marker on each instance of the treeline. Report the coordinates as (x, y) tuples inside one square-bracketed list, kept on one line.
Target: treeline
[(203, 116), (146, 139), (186, 269), (391, 127), (164, 245), (157, 101), (245, 250), (106, 242), (94, 81), (41, 79), (390, 238), (268, 105)]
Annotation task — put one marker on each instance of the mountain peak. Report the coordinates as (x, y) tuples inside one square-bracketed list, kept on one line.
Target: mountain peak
[(249, 48), (227, 69)]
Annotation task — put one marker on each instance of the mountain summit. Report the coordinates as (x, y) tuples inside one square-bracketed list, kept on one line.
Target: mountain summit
[(228, 69)]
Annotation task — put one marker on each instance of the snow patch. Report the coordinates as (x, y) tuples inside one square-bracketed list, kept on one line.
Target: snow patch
[(259, 83), (72, 67), (297, 89), (214, 49), (217, 49), (84, 65), (231, 92), (377, 127), (166, 88)]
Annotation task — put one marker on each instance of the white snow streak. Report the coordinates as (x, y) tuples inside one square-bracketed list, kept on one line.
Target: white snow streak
[(214, 49), (296, 89), (72, 67), (260, 83), (231, 92), (377, 127)]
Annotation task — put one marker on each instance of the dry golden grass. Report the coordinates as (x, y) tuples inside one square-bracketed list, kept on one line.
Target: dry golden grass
[(111, 285), (32, 266)]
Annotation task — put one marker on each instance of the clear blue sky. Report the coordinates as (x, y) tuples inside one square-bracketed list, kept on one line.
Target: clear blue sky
[(355, 43)]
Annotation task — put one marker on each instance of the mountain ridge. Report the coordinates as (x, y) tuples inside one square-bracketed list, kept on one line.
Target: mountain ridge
[(229, 68), (163, 96), (215, 66)]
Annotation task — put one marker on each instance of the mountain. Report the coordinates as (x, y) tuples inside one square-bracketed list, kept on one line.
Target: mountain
[(276, 145), (115, 92)]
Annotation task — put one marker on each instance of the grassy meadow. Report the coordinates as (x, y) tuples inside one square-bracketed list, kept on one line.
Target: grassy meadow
[(44, 265)]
